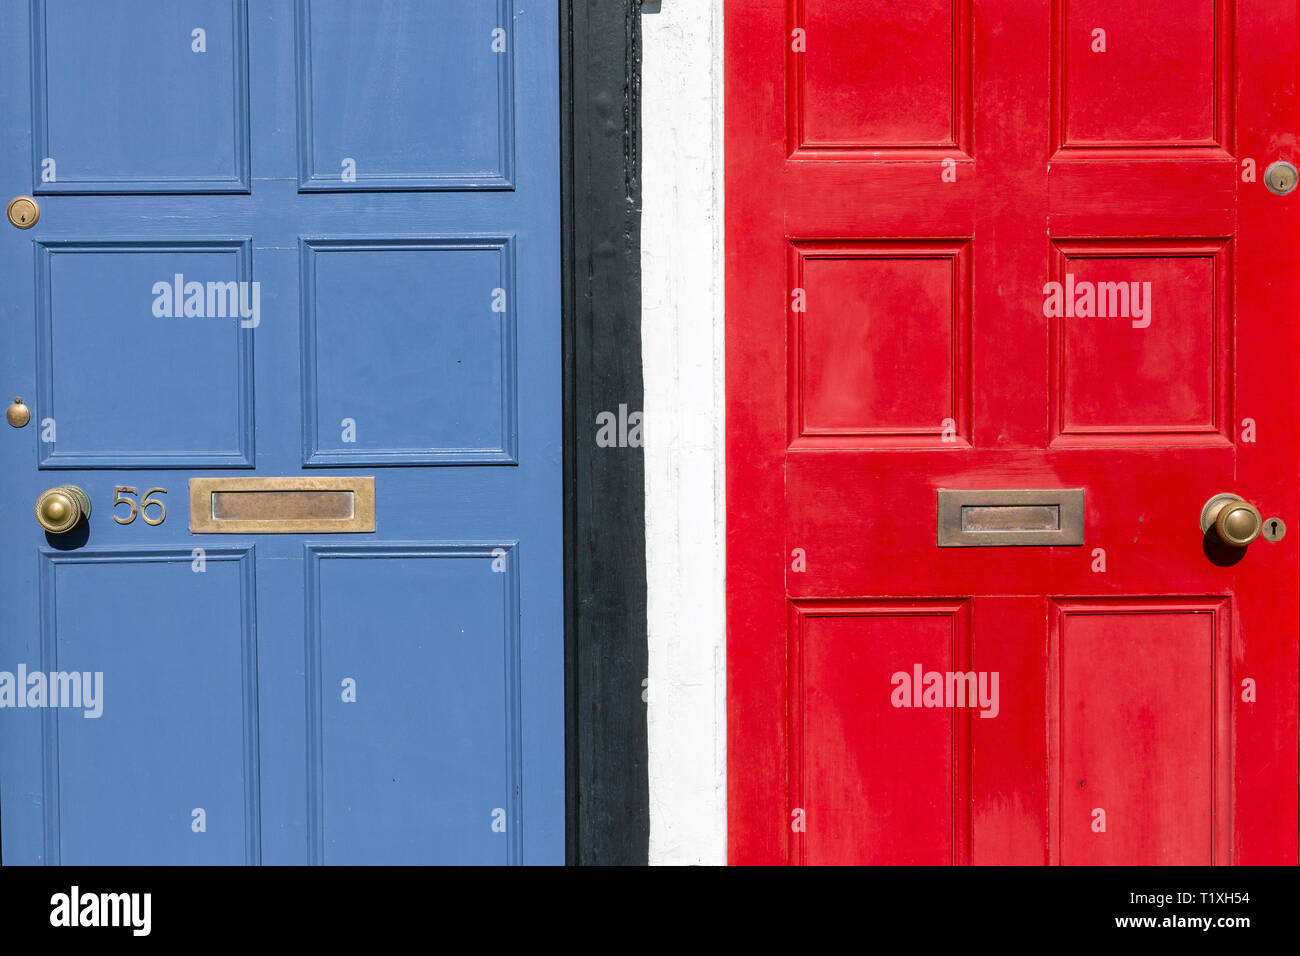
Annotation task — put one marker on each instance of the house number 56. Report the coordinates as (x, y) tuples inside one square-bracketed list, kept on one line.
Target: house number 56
[(122, 496)]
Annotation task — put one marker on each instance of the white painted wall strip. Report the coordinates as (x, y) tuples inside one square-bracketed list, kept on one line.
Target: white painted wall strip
[(682, 343)]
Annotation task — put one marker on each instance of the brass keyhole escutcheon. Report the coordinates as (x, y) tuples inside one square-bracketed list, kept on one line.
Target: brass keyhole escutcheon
[(1280, 177), (1233, 521), (23, 212), (18, 414), (60, 509)]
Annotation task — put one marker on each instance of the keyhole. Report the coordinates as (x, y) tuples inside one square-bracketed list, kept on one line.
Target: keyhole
[(1275, 527)]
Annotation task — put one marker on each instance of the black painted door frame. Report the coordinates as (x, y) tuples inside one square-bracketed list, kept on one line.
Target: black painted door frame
[(608, 801)]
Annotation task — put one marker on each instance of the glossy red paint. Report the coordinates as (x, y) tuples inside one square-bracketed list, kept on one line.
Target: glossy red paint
[(903, 180)]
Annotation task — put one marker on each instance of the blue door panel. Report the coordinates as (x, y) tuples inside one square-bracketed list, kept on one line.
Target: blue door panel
[(407, 329), (421, 98), (126, 103), (177, 716), (442, 664), (401, 342), (112, 320)]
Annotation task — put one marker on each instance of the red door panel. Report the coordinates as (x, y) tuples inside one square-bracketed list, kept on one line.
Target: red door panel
[(1168, 85), (893, 380), (881, 784), (843, 100), (905, 182), (1185, 396), (1127, 743)]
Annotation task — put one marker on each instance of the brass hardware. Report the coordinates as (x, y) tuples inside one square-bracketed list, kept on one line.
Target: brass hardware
[(281, 505), (122, 496), (23, 212), (1280, 177), (1236, 522), (18, 414), (60, 509), (1031, 517), (1274, 529)]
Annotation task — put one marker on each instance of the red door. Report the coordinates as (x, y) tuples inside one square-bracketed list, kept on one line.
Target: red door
[(1010, 300)]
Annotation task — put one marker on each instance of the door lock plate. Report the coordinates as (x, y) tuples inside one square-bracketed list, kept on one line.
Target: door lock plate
[(1280, 177), (23, 212)]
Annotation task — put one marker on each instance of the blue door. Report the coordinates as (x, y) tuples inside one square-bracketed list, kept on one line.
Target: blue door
[(290, 319)]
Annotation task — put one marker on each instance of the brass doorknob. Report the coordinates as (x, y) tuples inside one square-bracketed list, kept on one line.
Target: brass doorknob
[(1235, 521), (61, 508)]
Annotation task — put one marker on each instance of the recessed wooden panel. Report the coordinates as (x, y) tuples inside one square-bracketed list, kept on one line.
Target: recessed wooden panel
[(442, 662), (1163, 82), (876, 783), (879, 352), (1138, 703), (125, 386), (408, 351), (1157, 365), (124, 103), (367, 84), (878, 75), (177, 723)]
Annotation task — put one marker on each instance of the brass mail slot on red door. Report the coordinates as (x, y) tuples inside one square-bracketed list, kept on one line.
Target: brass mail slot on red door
[(281, 505), (1040, 517)]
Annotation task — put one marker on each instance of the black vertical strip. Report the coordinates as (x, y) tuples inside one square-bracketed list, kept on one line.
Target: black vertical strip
[(605, 651)]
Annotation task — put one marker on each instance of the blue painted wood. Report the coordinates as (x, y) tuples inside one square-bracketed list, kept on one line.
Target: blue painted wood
[(102, 110), (89, 296), (448, 392), (383, 794), (378, 303), (99, 808), (466, 142)]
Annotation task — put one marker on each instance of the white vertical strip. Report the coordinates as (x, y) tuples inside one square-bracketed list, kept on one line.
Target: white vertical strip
[(682, 344)]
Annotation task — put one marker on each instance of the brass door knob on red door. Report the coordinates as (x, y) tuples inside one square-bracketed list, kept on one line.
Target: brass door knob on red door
[(1233, 520)]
